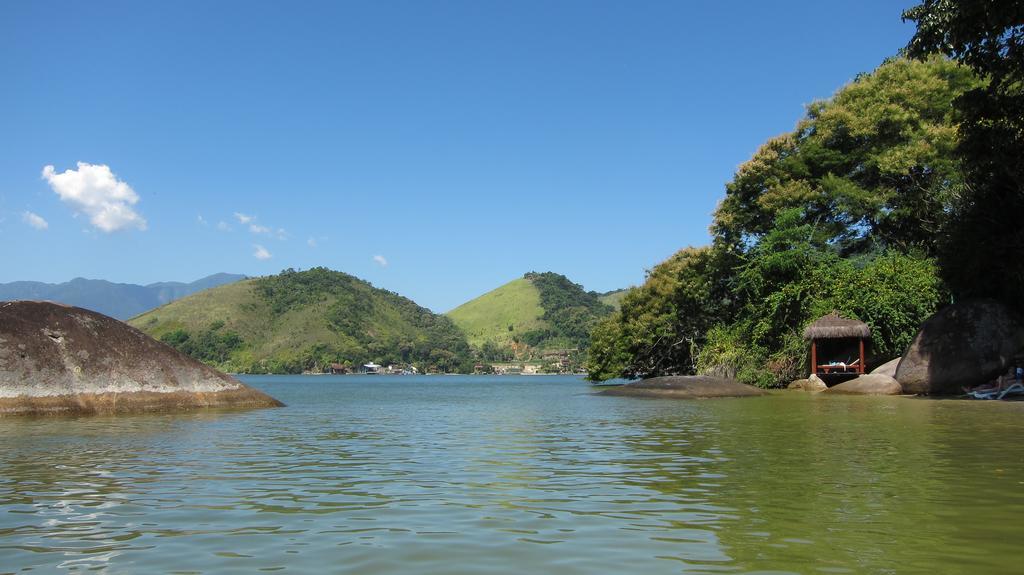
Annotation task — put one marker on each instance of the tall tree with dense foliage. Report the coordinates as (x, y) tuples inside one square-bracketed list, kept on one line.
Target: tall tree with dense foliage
[(872, 167), (983, 251), (660, 324), (841, 214)]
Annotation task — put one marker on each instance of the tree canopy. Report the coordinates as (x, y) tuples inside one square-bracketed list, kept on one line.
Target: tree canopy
[(981, 254), (843, 213)]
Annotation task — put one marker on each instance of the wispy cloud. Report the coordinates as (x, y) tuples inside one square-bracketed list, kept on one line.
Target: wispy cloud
[(311, 242), (202, 221), (259, 229), (381, 261), (261, 252), (223, 226), (95, 191), (35, 220)]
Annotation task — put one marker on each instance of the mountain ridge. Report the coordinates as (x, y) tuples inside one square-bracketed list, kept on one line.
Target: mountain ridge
[(118, 300)]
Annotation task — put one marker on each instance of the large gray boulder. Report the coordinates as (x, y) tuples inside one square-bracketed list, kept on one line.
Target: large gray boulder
[(58, 359), (685, 387), (888, 368), (812, 383), (963, 345), (868, 384)]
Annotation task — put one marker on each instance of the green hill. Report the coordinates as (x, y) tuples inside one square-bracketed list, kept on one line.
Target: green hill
[(530, 315), (298, 321), (614, 298), (500, 315)]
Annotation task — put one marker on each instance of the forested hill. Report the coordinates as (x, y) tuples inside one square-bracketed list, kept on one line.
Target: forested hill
[(540, 311), (298, 321)]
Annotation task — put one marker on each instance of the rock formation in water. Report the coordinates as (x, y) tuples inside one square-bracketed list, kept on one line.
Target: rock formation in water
[(58, 359), (963, 345), (685, 387), (868, 384), (812, 383), (888, 368)]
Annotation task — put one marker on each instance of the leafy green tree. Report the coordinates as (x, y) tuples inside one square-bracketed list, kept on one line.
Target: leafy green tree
[(983, 251), (660, 323), (871, 167), (842, 214)]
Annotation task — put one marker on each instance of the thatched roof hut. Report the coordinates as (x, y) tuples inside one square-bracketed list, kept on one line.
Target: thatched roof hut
[(843, 340), (833, 326)]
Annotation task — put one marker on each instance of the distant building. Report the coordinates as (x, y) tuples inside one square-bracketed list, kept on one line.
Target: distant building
[(337, 369)]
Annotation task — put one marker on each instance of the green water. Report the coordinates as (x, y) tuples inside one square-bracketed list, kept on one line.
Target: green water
[(518, 475)]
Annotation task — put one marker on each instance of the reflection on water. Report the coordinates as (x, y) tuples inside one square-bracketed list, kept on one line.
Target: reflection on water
[(513, 475)]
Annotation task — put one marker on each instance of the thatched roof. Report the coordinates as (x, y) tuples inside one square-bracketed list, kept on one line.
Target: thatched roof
[(832, 326)]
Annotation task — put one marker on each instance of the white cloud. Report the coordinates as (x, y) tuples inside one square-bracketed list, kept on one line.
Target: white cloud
[(223, 226), (202, 221), (35, 220), (381, 260), (261, 252), (258, 228), (95, 191), (311, 242)]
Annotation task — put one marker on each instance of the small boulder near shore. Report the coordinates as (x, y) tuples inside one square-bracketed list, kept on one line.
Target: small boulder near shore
[(57, 359), (812, 383), (963, 345), (685, 387), (870, 384)]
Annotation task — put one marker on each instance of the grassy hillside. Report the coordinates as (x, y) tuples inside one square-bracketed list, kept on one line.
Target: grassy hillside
[(614, 298), (299, 321), (515, 305), (538, 312)]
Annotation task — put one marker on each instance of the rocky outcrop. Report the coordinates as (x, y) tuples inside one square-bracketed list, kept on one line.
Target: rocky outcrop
[(685, 387), (963, 345), (869, 384), (58, 359), (812, 383), (887, 368)]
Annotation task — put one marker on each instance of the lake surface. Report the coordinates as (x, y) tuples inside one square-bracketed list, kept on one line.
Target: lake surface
[(518, 475)]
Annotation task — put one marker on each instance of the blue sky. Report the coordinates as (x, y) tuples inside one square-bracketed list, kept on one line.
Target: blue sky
[(435, 148)]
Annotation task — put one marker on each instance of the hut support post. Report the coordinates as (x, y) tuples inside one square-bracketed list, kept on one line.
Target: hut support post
[(814, 357), (860, 365)]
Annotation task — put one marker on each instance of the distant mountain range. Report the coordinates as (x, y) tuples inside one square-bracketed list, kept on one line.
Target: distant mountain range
[(117, 300)]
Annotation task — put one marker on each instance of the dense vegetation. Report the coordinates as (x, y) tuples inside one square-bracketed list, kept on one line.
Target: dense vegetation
[(305, 321), (570, 312), (538, 316), (844, 213), (981, 252), (211, 345)]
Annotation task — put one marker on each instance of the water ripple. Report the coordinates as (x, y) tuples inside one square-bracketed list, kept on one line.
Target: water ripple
[(510, 475)]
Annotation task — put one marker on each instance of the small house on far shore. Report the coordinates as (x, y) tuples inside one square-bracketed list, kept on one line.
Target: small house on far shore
[(837, 346)]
